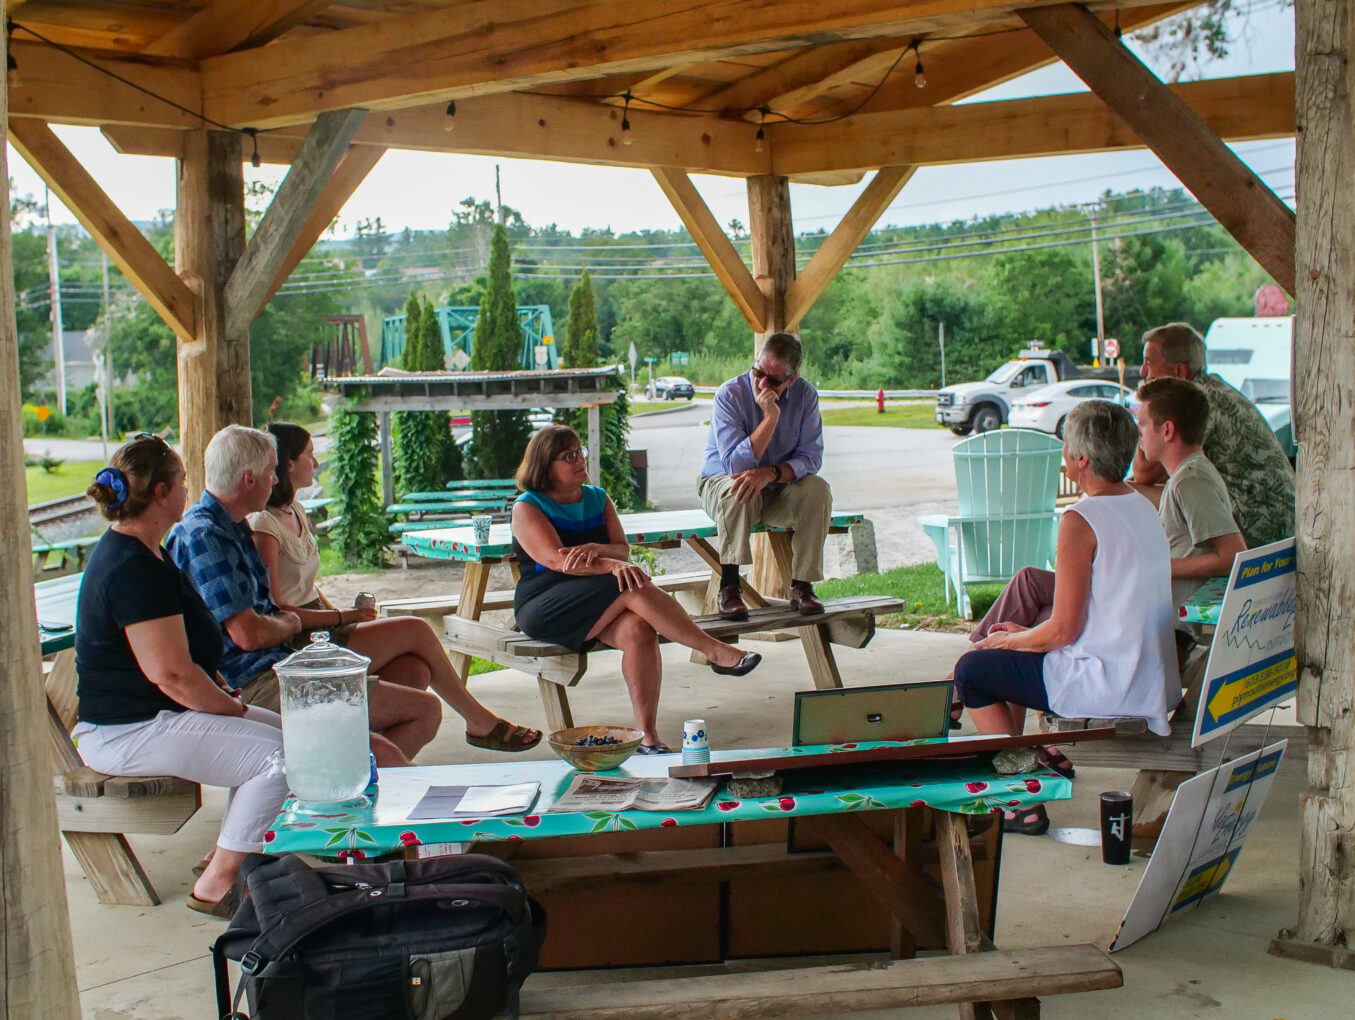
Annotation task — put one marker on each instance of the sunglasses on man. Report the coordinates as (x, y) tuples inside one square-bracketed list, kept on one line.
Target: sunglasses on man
[(771, 380)]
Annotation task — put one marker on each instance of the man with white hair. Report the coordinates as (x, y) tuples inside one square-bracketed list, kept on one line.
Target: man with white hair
[(213, 546)]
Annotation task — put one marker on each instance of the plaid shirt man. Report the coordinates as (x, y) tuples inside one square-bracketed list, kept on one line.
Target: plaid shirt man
[(219, 557)]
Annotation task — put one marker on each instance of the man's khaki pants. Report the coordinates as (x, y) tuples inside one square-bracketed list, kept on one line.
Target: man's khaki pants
[(804, 505)]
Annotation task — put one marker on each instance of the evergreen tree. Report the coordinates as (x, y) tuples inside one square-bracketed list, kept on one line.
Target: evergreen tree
[(497, 437), (615, 470), (360, 534), (581, 332), (411, 357), (422, 437)]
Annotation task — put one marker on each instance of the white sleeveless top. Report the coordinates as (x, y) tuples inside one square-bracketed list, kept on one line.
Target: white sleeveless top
[(1124, 661), (298, 557)]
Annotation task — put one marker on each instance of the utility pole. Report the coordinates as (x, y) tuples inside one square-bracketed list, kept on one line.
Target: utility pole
[(941, 340), (1096, 276), (54, 285)]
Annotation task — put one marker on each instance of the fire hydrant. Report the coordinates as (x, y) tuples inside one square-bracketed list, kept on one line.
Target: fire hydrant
[(880, 400)]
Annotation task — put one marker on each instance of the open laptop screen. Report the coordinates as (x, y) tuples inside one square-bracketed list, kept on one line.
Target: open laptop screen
[(888, 712)]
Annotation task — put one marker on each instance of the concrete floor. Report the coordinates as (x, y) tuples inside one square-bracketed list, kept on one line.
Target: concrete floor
[(151, 963)]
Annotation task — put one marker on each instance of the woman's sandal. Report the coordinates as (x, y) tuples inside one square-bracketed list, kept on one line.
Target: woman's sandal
[(505, 736), (1031, 821), (654, 749), (1056, 761), (224, 907), (956, 715)]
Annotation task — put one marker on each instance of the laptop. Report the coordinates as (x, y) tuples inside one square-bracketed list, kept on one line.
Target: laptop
[(888, 712)]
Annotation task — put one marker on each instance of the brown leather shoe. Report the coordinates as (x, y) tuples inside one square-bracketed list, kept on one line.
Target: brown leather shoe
[(803, 599), (729, 604)]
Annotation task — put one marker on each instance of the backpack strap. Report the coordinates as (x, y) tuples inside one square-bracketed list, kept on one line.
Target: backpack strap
[(279, 886)]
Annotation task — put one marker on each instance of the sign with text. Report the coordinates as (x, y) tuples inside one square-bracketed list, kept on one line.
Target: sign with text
[(1251, 661), (1210, 819)]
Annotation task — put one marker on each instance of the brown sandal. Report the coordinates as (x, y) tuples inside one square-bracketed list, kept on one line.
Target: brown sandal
[(224, 907), (505, 736)]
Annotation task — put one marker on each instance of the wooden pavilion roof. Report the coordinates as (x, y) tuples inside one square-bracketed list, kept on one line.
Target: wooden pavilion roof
[(831, 85)]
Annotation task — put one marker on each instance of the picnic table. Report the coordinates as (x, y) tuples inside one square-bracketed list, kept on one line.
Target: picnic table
[(56, 601), (660, 530), (857, 844), (1204, 603)]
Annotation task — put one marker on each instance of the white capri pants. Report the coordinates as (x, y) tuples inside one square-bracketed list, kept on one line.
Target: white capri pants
[(219, 750)]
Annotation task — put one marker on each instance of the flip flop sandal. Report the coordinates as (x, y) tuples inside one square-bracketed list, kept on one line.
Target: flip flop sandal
[(224, 907), (1057, 761), (957, 715), (505, 736), (654, 749), (1033, 821)]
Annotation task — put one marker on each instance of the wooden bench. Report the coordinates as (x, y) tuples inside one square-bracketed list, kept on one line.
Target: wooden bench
[(96, 811), (50, 557), (437, 606), (847, 621), (994, 976)]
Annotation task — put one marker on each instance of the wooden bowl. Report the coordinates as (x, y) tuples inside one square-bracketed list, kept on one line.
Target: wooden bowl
[(595, 758)]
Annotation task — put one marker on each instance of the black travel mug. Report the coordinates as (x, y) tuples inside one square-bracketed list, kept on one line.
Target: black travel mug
[(1117, 826)]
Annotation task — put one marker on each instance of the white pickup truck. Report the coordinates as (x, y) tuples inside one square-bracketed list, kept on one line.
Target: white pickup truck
[(981, 406)]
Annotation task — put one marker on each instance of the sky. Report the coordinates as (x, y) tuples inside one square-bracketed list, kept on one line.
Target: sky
[(420, 190)]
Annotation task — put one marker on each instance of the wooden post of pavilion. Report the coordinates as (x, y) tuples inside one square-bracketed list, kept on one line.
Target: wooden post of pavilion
[(209, 238), (37, 963), (1324, 377)]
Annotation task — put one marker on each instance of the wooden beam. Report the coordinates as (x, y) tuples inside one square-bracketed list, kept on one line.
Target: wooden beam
[(37, 964), (502, 45), (1224, 185), (1237, 109), (252, 278), (135, 256), (1324, 376), (527, 127), (225, 25), (352, 170), (833, 253), (773, 240), (89, 26), (715, 245), (209, 238), (60, 89), (803, 69)]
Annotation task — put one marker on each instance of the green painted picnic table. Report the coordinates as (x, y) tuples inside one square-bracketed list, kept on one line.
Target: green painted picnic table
[(449, 506), (56, 604), (483, 483), (661, 529), (504, 494), (1204, 603)]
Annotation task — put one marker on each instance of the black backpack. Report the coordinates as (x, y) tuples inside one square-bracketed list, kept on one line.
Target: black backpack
[(447, 938)]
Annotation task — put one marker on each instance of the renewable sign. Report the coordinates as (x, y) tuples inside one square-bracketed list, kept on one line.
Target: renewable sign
[(1251, 662)]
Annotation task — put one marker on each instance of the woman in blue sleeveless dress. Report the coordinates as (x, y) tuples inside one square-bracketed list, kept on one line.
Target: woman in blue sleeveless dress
[(578, 588)]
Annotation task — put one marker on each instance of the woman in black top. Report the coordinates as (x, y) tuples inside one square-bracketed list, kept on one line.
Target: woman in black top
[(577, 586), (146, 654)]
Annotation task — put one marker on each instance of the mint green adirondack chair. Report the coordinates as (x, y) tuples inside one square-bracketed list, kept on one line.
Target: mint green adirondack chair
[(1007, 481)]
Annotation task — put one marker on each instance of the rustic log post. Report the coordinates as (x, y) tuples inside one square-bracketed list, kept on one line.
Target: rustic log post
[(37, 964), (209, 238), (769, 227), (1324, 376)]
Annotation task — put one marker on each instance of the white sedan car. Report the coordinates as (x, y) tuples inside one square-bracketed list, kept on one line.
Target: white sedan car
[(1047, 408)]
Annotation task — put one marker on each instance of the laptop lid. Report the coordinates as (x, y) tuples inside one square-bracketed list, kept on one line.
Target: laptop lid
[(887, 712)]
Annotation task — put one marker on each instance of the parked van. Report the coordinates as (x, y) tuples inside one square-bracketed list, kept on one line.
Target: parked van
[(1256, 357)]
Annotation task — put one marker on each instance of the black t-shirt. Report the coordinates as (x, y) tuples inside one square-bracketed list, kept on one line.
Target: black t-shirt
[(125, 583)]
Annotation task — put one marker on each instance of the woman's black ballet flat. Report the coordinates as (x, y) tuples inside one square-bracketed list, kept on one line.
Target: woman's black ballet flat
[(743, 667), (1031, 821), (654, 749), (956, 715)]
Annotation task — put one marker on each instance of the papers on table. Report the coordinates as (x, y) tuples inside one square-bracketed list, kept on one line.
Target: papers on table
[(588, 792), (475, 801)]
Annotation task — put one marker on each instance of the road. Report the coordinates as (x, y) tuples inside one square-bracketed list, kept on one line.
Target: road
[(893, 474)]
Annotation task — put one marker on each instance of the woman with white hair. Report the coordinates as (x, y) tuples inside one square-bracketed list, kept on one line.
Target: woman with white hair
[(1107, 648)]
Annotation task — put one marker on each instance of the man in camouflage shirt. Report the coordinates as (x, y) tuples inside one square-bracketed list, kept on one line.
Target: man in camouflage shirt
[(1238, 442)]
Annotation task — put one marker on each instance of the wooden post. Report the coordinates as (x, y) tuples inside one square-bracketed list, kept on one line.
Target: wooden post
[(383, 420), (594, 444), (1324, 376), (37, 964), (209, 238), (769, 227)]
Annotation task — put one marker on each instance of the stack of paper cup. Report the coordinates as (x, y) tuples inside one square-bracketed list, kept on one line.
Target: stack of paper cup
[(695, 743)]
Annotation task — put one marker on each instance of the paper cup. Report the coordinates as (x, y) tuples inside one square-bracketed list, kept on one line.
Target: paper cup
[(481, 523), (695, 743)]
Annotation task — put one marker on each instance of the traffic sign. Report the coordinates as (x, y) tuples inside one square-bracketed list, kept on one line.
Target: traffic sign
[(1112, 348)]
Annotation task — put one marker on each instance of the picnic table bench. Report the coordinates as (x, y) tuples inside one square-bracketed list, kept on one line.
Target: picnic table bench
[(50, 557), (448, 506), (96, 811), (507, 493), (660, 530)]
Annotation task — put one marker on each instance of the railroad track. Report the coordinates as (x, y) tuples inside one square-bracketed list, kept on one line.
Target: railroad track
[(56, 519)]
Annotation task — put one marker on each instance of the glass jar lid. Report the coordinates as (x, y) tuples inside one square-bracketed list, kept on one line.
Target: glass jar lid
[(322, 658)]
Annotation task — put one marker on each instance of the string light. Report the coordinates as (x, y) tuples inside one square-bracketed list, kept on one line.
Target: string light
[(1117, 23), (761, 132), (253, 135), (625, 121), (12, 65), (449, 120), (919, 75)]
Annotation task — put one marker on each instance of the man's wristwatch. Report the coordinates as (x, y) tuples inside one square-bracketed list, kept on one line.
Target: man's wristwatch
[(776, 472)]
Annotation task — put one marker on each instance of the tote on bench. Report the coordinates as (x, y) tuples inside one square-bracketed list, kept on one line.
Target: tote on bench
[(448, 938)]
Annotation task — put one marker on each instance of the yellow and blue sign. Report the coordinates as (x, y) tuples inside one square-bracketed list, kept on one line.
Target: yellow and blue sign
[(1251, 662)]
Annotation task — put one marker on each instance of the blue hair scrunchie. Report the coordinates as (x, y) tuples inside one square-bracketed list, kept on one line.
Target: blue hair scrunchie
[(115, 480)]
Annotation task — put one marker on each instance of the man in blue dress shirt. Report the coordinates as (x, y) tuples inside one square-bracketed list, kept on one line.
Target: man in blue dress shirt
[(762, 463)]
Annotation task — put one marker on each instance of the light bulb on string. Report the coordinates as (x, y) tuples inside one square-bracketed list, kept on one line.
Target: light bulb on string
[(919, 75), (626, 139), (254, 159), (12, 66), (449, 118), (761, 130)]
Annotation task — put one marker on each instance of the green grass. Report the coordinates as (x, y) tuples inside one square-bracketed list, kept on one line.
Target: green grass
[(332, 563), (70, 479), (906, 416), (922, 588), (641, 406)]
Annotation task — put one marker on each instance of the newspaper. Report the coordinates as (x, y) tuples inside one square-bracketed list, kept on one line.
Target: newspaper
[(588, 792)]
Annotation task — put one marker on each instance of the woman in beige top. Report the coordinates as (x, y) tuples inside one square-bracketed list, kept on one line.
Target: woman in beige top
[(403, 650)]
